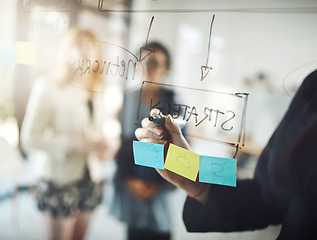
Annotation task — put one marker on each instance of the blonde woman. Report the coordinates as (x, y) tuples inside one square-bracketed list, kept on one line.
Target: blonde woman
[(63, 133)]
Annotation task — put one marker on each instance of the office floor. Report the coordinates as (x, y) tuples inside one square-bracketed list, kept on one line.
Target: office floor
[(19, 219)]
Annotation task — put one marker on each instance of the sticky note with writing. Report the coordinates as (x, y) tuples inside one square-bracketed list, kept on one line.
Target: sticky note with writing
[(148, 154), (26, 53), (182, 162), (222, 171)]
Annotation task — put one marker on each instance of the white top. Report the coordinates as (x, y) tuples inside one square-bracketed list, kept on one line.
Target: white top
[(55, 116)]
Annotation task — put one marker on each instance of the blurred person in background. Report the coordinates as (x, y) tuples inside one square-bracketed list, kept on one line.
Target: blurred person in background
[(63, 133), (141, 197)]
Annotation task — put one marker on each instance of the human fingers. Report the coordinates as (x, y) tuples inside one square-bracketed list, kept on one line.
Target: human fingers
[(175, 133), (151, 130), (144, 135), (154, 111)]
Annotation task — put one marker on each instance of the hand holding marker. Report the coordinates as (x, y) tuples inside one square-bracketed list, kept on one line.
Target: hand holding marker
[(159, 120)]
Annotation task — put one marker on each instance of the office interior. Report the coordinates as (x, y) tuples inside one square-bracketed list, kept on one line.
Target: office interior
[(262, 48)]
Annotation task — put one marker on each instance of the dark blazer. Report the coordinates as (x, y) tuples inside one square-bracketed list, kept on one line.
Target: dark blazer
[(284, 188)]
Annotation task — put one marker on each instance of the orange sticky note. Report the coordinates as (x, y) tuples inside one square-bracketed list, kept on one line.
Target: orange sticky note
[(182, 161), (26, 53)]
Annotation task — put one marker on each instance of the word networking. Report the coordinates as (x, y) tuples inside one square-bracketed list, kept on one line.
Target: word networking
[(53, 25), (117, 68), (215, 170), (110, 61)]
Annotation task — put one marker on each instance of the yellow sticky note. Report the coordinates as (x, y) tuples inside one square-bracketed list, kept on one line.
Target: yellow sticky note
[(182, 161), (26, 53)]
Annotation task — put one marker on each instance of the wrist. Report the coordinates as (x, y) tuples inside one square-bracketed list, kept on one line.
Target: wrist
[(200, 193)]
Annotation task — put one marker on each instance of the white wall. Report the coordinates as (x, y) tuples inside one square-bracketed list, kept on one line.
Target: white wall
[(282, 45)]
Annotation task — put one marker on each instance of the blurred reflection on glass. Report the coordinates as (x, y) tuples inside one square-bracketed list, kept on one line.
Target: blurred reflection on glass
[(142, 197), (64, 134)]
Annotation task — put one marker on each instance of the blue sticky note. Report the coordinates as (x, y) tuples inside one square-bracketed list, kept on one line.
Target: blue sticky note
[(148, 154), (8, 54), (222, 171)]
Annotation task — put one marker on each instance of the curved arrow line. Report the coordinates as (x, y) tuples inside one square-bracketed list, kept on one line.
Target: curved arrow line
[(100, 4), (148, 33), (146, 41), (212, 22)]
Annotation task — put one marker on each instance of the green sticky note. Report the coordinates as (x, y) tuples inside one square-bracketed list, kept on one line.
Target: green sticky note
[(182, 161), (148, 154), (222, 171)]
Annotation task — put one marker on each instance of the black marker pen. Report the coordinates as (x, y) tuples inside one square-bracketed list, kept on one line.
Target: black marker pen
[(159, 120)]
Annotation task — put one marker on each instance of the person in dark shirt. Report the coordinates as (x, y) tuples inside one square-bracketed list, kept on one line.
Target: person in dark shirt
[(283, 189), (141, 195)]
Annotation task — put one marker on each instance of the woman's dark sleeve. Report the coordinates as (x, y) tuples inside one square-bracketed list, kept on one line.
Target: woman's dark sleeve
[(265, 200), (230, 209)]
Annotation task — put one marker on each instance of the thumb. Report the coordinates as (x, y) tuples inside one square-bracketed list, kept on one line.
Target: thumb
[(171, 126), (175, 132), (154, 111)]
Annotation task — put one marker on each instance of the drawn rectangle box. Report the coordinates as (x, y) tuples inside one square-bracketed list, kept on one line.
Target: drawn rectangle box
[(209, 115)]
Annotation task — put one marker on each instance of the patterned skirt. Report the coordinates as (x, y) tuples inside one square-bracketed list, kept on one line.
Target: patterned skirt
[(63, 201)]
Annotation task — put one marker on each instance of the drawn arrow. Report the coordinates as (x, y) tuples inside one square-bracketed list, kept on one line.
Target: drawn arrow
[(144, 51), (204, 70), (100, 4)]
